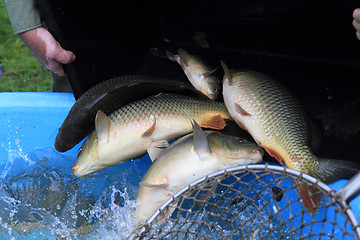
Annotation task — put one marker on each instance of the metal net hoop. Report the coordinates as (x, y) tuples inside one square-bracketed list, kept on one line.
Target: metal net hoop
[(250, 202)]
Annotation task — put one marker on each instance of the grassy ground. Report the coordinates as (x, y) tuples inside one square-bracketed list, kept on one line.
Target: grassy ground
[(21, 70)]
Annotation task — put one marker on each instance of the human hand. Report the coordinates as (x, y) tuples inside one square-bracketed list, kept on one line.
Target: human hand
[(356, 22), (48, 51)]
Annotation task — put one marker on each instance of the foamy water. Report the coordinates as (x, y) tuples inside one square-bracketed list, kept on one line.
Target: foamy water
[(40, 198)]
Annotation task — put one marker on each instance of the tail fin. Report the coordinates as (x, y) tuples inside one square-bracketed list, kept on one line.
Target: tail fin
[(330, 170), (158, 53), (327, 171)]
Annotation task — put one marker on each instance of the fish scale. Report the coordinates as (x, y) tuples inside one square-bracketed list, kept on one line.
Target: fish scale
[(189, 158), (145, 125), (167, 106), (278, 123), (108, 96)]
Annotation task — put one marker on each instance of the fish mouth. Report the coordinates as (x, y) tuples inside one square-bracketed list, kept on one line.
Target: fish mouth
[(82, 170), (255, 154), (75, 171), (259, 151)]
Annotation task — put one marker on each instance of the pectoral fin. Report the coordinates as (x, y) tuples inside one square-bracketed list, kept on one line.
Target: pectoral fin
[(216, 122), (159, 182), (201, 144), (156, 148), (241, 111), (171, 209), (151, 129), (102, 127), (208, 73), (273, 154)]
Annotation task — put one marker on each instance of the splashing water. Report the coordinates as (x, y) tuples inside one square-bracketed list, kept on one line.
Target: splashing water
[(40, 198)]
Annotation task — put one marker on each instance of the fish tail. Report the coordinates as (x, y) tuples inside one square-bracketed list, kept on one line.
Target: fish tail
[(331, 170), (328, 171), (158, 53), (170, 55)]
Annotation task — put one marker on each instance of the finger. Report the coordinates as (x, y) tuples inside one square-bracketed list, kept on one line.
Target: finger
[(356, 25), (55, 67), (356, 15), (64, 57)]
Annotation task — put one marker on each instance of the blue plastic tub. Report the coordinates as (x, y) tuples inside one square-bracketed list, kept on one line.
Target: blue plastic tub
[(38, 187)]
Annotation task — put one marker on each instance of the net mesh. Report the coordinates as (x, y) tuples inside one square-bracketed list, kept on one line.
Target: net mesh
[(249, 203)]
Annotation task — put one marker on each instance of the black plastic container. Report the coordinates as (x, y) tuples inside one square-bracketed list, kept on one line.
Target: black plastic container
[(310, 46)]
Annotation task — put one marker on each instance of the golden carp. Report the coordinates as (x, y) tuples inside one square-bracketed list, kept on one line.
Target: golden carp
[(188, 159), (144, 125), (277, 122), (197, 71)]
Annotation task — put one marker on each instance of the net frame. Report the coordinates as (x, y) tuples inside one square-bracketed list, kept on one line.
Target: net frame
[(155, 227)]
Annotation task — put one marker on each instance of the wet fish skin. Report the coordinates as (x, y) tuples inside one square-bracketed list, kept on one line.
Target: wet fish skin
[(108, 96), (144, 126), (277, 121), (187, 160), (198, 72)]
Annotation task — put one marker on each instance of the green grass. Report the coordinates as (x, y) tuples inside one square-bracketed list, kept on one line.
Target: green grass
[(21, 70)]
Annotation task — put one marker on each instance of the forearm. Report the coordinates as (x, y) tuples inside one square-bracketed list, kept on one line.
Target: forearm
[(49, 52), (26, 22), (23, 15)]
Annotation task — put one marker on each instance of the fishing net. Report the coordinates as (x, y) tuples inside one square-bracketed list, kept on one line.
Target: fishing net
[(251, 202)]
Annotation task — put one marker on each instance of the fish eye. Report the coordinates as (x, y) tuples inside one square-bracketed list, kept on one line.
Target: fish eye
[(80, 150), (217, 90)]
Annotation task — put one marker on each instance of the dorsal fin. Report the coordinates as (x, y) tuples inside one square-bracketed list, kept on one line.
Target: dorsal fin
[(102, 127), (201, 144), (227, 75)]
